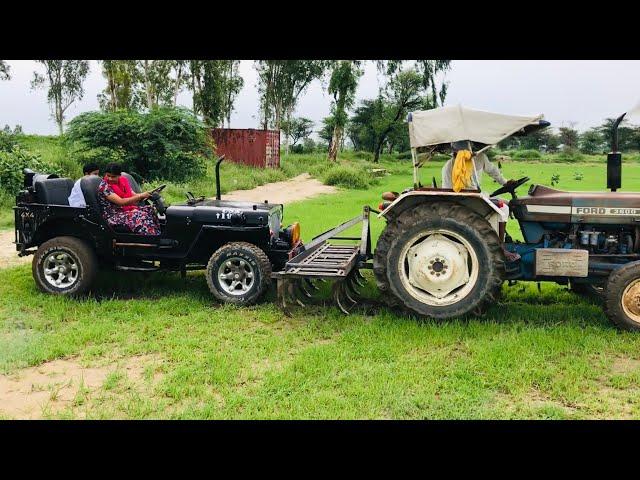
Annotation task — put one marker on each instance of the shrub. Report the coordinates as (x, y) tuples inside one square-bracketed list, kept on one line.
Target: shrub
[(7, 141), (348, 177), (571, 156), (13, 163), (404, 155), (363, 155), (166, 143), (525, 154)]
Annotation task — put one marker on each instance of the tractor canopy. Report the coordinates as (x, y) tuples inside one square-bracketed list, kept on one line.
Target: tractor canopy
[(445, 125)]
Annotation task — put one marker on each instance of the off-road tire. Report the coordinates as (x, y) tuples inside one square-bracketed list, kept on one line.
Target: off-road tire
[(253, 255), (440, 215), (82, 254), (618, 281)]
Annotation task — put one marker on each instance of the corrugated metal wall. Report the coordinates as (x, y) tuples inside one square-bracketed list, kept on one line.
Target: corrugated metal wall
[(258, 148)]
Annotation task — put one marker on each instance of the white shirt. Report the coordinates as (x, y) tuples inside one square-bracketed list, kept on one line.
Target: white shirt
[(76, 199), (481, 163)]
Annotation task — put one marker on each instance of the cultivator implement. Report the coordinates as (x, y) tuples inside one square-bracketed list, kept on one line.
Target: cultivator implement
[(323, 261)]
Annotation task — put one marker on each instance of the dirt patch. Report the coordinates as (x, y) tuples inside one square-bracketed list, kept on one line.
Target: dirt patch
[(623, 365), (8, 254), (46, 389), (298, 188)]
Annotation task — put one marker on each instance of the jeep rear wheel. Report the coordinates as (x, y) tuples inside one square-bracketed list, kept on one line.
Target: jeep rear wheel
[(439, 260), (64, 266), (238, 273)]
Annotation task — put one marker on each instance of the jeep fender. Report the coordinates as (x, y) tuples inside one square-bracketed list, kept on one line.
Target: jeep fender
[(478, 202)]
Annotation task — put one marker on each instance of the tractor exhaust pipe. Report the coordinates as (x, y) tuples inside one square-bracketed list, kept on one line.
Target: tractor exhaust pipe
[(220, 159), (614, 159)]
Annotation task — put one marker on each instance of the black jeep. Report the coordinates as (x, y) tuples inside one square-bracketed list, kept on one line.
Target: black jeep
[(238, 243)]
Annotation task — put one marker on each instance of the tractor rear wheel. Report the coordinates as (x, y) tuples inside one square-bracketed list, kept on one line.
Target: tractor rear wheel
[(622, 297), (439, 260)]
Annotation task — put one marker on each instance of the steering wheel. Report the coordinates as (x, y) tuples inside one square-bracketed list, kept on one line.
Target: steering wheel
[(158, 189), (156, 199), (510, 187)]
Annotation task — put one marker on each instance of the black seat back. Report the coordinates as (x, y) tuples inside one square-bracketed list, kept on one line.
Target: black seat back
[(89, 186), (53, 191)]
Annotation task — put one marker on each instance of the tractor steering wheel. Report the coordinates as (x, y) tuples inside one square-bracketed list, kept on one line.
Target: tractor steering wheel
[(510, 187)]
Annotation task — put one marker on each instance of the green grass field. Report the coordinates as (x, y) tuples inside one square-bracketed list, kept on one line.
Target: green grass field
[(534, 355)]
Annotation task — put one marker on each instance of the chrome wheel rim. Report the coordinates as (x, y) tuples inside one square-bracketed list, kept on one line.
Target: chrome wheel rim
[(60, 269), (428, 263), (236, 276)]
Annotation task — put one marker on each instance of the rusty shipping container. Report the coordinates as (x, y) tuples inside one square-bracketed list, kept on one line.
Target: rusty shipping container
[(258, 148)]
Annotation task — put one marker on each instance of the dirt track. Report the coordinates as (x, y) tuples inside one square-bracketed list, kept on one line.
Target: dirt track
[(298, 188)]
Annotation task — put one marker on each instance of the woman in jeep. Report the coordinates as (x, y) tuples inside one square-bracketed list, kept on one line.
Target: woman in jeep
[(120, 204)]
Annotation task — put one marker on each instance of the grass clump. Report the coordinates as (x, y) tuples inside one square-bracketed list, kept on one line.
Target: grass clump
[(348, 177), (526, 155)]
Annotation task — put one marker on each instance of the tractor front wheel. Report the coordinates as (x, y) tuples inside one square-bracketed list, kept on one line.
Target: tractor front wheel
[(439, 260), (622, 297)]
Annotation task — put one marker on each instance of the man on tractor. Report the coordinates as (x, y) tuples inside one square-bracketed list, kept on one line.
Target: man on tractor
[(463, 172)]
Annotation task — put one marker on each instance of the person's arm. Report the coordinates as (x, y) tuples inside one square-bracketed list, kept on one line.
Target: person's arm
[(492, 170), (123, 202)]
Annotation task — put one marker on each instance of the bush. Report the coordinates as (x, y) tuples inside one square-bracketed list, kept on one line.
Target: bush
[(363, 155), (404, 155), (571, 156), (526, 154), (13, 163), (7, 141), (166, 143), (348, 177)]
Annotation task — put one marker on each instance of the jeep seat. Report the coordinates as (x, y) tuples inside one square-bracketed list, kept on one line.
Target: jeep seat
[(53, 191), (132, 182)]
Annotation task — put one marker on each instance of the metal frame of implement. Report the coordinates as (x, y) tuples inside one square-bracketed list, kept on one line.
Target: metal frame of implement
[(325, 261)]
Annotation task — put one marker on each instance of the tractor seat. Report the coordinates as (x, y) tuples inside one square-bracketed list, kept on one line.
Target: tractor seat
[(53, 191)]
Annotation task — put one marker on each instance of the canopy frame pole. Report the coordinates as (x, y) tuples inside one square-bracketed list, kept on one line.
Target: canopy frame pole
[(416, 176)]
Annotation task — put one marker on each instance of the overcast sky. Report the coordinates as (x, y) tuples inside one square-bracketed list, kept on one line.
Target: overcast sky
[(579, 92)]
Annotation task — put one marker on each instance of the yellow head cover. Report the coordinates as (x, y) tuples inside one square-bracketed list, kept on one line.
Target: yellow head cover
[(462, 170)]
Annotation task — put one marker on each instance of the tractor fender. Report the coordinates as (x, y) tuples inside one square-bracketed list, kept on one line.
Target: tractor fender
[(478, 202)]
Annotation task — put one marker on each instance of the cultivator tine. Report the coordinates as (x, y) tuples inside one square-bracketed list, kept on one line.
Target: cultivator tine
[(293, 292), (282, 288), (358, 278), (301, 288), (310, 284)]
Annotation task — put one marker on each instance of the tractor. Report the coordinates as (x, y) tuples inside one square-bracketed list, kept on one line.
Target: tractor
[(442, 253)]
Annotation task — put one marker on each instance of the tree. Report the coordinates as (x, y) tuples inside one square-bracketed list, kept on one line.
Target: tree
[(280, 83), (5, 70), (342, 86), (591, 141), (428, 71), (120, 76), (626, 135), (215, 85), (404, 93), (568, 137), (298, 129), (64, 82)]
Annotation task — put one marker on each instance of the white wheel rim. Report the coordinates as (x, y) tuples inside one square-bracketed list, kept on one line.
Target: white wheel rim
[(60, 269), (631, 300), (236, 276), (448, 252)]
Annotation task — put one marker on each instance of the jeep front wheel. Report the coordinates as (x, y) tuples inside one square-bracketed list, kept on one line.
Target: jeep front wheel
[(238, 273), (64, 266)]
